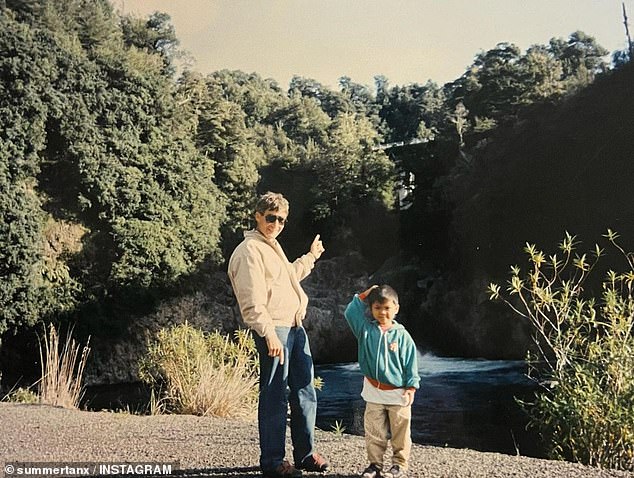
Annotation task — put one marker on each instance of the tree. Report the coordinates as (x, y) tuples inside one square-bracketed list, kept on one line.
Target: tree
[(257, 97), (492, 87), (102, 187), (331, 102), (302, 120), (350, 171), (147, 193), (222, 135), (433, 110), (154, 35), (96, 25), (401, 112), (542, 75), (581, 57), (26, 68), (459, 119), (360, 98)]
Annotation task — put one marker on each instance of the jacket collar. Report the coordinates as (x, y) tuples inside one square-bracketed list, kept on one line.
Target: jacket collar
[(255, 234), (395, 325)]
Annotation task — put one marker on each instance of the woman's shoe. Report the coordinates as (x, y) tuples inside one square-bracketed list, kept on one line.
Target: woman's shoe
[(283, 470), (314, 462)]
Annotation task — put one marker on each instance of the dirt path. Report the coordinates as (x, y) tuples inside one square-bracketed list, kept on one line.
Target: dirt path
[(205, 446)]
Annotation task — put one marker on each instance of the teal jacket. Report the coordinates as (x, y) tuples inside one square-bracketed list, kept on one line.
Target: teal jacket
[(389, 357)]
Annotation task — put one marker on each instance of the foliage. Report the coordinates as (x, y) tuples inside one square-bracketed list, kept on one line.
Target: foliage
[(332, 103), (201, 373), (350, 172), (338, 428), (25, 294), (22, 395), (120, 182), (503, 79), (249, 126), (580, 55), (222, 133), (361, 100), (585, 353), (318, 383), (155, 35), (143, 188), (62, 370), (408, 110), (93, 140)]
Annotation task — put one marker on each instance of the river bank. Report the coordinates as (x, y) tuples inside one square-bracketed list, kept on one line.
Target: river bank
[(206, 446)]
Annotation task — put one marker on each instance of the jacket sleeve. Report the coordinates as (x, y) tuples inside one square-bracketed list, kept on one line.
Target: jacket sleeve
[(304, 265), (409, 357), (246, 272), (355, 315)]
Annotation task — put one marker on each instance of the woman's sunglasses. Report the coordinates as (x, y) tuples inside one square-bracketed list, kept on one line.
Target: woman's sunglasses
[(271, 218)]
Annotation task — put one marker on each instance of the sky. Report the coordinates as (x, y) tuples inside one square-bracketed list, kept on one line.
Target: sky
[(407, 41)]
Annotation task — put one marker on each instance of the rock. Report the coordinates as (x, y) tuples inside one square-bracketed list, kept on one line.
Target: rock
[(331, 340), (330, 288), (460, 320), (213, 307), (453, 317), (116, 360)]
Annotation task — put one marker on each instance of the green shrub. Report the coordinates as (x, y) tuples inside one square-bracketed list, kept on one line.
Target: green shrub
[(22, 395), (584, 354), (203, 374)]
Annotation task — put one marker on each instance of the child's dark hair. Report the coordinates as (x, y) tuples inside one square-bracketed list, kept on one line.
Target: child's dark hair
[(381, 294)]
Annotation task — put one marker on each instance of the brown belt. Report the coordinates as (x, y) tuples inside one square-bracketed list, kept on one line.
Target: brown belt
[(381, 386)]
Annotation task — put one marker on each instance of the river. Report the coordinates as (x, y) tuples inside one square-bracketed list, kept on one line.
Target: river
[(461, 403)]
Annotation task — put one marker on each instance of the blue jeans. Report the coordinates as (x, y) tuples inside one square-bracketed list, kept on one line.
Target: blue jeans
[(280, 385)]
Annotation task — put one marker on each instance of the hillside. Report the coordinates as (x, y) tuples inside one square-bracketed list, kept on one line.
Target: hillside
[(566, 168), (560, 167)]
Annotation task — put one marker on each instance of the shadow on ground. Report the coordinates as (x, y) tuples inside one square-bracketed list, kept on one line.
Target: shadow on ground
[(240, 472)]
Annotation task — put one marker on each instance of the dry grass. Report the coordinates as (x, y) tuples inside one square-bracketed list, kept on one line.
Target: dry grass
[(203, 374), (220, 390), (62, 370)]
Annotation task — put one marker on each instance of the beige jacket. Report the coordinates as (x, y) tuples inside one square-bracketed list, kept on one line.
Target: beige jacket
[(267, 285)]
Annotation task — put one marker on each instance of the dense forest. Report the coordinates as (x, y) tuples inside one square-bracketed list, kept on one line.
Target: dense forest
[(125, 182)]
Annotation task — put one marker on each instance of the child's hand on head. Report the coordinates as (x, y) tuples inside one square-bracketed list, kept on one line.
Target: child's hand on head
[(365, 293)]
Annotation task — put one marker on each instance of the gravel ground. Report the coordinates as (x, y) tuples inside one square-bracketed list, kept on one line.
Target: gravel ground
[(205, 446)]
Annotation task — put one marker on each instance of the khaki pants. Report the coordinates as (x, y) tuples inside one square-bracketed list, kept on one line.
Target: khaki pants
[(381, 420)]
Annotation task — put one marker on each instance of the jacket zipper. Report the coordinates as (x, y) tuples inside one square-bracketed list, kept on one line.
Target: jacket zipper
[(378, 351)]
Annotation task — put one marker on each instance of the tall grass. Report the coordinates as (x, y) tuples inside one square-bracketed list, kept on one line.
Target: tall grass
[(62, 370), (203, 374), (585, 353)]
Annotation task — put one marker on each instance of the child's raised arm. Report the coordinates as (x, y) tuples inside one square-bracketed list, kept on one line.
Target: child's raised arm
[(355, 311)]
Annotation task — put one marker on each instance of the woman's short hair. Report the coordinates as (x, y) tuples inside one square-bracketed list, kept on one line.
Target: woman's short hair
[(271, 202)]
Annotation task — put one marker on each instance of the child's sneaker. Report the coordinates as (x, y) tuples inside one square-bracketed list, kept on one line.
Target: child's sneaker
[(395, 472), (371, 471)]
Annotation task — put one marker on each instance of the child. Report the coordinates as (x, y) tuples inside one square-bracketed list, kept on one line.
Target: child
[(387, 358)]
